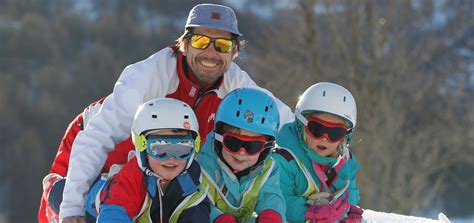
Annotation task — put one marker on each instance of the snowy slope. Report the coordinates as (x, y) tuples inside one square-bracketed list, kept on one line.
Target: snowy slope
[(381, 217)]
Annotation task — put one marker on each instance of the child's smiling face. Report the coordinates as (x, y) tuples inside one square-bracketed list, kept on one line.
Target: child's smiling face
[(170, 168), (322, 146)]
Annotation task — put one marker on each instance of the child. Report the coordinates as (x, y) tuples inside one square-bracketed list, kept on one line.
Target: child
[(161, 184), (317, 169), (241, 181)]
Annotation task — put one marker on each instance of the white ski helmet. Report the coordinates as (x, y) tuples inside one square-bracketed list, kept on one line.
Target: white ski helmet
[(328, 98), (162, 113)]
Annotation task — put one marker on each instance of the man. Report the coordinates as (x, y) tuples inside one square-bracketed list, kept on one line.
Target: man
[(198, 70)]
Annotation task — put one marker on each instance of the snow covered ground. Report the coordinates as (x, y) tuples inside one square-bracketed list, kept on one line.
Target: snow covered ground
[(381, 217)]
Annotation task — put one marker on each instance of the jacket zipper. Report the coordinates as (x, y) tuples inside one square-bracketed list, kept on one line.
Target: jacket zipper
[(201, 94)]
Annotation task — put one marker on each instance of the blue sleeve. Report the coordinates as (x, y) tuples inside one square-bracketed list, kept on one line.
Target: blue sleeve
[(198, 213), (215, 212), (113, 213), (270, 195), (349, 171), (288, 183), (354, 195)]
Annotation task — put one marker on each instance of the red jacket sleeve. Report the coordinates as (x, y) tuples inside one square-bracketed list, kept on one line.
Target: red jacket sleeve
[(61, 162), (127, 189)]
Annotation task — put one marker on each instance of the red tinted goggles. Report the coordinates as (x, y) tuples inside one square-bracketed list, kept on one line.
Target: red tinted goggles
[(318, 128), (251, 145)]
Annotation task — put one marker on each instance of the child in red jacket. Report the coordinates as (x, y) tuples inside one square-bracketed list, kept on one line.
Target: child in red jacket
[(162, 183)]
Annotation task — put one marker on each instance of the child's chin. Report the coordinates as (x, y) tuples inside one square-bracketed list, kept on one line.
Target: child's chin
[(237, 168), (322, 153)]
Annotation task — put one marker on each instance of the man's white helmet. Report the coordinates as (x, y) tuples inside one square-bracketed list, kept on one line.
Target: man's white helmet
[(328, 98), (162, 113)]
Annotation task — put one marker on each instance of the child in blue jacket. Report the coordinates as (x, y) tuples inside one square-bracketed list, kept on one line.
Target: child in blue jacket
[(317, 170), (242, 183)]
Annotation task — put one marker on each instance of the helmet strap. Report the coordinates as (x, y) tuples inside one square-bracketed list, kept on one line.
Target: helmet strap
[(188, 186)]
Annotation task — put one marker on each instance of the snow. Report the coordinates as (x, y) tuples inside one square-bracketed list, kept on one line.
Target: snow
[(371, 216)]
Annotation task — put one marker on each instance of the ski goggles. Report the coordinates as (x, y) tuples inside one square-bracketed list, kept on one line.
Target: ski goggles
[(250, 145), (318, 128), (222, 45), (165, 147)]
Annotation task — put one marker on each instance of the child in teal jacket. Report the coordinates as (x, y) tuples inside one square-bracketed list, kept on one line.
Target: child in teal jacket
[(242, 183), (317, 170)]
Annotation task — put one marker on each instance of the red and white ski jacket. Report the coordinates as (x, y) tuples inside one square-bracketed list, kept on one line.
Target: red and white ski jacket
[(160, 75), (61, 161)]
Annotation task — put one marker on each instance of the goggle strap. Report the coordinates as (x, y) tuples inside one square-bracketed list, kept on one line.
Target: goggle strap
[(301, 117), (218, 137), (269, 144), (349, 131)]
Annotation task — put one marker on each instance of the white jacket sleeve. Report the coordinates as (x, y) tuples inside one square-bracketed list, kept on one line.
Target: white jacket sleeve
[(140, 82), (237, 78)]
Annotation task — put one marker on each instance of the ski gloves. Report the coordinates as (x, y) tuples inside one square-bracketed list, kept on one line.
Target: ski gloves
[(266, 216), (225, 218), (330, 212), (354, 215)]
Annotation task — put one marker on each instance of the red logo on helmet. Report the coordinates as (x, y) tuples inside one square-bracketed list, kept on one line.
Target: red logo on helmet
[(186, 125)]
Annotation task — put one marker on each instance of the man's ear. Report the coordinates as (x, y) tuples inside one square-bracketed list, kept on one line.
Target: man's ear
[(235, 51), (185, 46)]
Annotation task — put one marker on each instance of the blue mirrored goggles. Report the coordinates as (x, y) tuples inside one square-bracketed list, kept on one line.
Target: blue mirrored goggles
[(165, 147)]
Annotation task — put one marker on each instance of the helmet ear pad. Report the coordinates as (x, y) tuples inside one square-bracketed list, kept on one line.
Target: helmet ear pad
[(139, 141), (197, 144)]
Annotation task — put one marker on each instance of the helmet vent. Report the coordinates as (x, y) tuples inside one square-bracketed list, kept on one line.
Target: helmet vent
[(344, 99), (263, 120), (151, 104), (240, 101), (266, 109), (237, 114), (324, 93), (154, 116), (186, 116)]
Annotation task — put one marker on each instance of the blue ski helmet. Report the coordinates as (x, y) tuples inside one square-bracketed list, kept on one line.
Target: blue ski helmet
[(251, 109)]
